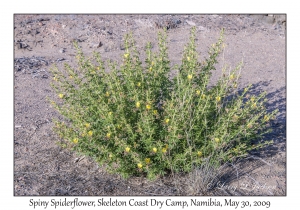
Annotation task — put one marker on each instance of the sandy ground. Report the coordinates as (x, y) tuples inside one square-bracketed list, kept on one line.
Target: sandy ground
[(41, 167)]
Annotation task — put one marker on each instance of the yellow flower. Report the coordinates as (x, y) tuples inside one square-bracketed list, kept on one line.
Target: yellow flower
[(60, 95), (235, 85), (147, 160), (152, 63), (254, 105), (235, 117), (150, 69), (199, 153), (140, 165), (188, 58), (218, 98), (148, 106), (98, 67), (54, 78), (75, 141), (203, 96), (164, 150), (127, 149), (167, 121), (249, 125), (266, 118), (197, 92), (137, 104), (109, 113), (126, 55), (71, 77), (252, 98), (190, 77), (90, 133), (87, 125), (217, 140), (232, 76), (154, 149), (155, 112), (118, 126), (93, 72), (107, 94), (110, 155), (108, 135), (138, 84)]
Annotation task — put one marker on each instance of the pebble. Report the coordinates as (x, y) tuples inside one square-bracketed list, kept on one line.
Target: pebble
[(191, 23), (60, 59), (97, 45), (62, 50), (268, 19), (201, 28), (21, 45)]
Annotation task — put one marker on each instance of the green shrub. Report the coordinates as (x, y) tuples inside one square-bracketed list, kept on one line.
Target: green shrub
[(138, 120)]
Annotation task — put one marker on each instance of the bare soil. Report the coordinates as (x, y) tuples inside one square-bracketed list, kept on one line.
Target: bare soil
[(41, 167)]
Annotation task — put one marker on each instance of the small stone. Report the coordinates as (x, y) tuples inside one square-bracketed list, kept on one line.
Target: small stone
[(98, 45), (60, 59), (18, 68), (269, 19), (191, 23), (21, 45), (176, 21), (62, 50), (201, 28)]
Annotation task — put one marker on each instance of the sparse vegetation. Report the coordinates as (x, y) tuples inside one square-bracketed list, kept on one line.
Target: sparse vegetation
[(138, 121)]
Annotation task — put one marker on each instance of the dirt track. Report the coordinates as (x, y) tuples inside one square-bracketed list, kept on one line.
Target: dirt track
[(43, 168)]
